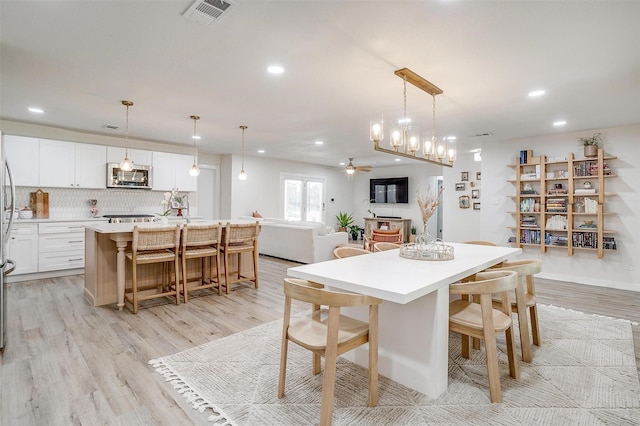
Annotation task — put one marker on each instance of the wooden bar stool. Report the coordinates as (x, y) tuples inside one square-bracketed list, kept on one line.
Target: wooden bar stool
[(154, 245), (201, 242), (236, 240)]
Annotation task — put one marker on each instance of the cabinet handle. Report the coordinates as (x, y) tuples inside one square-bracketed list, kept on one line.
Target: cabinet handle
[(75, 260), (76, 241)]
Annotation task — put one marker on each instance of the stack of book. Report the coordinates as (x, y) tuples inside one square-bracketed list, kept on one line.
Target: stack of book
[(556, 205), (590, 206), (556, 240), (584, 191), (530, 237), (527, 205), (557, 191), (528, 222), (525, 156)]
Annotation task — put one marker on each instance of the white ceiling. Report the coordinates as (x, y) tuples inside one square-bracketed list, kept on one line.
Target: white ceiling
[(78, 59)]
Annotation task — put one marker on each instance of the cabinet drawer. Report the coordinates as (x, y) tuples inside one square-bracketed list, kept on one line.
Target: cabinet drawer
[(54, 242), (58, 260), (61, 228), (24, 229)]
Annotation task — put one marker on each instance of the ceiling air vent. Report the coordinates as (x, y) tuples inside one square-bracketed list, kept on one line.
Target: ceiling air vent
[(110, 126), (207, 11)]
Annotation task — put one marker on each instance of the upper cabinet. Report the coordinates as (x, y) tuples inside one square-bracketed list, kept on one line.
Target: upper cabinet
[(50, 163), (23, 155), (75, 165), (140, 157), (171, 171)]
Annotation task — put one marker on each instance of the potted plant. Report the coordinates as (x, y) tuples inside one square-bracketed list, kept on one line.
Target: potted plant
[(412, 236), (344, 221), (354, 230), (591, 144)]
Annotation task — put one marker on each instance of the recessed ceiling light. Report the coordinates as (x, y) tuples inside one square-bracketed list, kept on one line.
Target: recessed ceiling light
[(398, 159), (559, 123), (451, 138), (342, 163), (196, 137), (275, 69), (536, 93), (404, 120), (261, 151), (36, 110), (319, 143)]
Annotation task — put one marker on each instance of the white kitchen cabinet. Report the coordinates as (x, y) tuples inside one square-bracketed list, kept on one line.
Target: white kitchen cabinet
[(137, 156), (23, 155), (72, 165), (22, 247), (172, 171), (60, 246)]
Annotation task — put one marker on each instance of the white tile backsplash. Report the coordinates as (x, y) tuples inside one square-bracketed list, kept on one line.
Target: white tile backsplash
[(74, 203)]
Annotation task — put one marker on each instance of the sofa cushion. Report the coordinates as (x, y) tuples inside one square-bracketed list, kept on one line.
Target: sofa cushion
[(320, 227)]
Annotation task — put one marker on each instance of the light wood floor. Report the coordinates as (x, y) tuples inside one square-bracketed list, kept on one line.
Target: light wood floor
[(69, 363)]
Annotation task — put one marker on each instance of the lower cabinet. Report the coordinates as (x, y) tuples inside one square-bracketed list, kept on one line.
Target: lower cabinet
[(22, 247), (60, 246)]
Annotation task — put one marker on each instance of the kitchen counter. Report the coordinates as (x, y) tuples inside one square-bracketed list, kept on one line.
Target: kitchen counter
[(61, 219), (105, 247)]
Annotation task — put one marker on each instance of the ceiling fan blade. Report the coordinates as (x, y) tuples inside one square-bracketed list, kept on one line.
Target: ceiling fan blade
[(363, 168)]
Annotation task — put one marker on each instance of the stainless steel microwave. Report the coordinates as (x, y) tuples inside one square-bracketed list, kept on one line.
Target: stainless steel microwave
[(138, 177)]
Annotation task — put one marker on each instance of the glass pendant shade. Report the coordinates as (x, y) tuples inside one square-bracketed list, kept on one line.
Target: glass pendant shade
[(451, 150), (194, 170), (376, 131), (441, 150), (242, 175), (396, 136), (427, 146), (413, 139)]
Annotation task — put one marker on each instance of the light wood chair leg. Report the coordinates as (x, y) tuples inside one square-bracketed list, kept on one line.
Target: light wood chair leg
[(511, 353), (255, 267), (218, 275), (184, 279), (535, 329), (134, 287), (523, 322), (330, 358), (316, 364), (465, 346), (176, 272), (226, 272), (493, 372), (284, 347)]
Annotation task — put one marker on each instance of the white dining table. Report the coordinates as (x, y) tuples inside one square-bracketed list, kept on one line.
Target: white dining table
[(414, 317)]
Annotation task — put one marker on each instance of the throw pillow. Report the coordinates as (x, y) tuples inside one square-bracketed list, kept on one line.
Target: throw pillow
[(256, 214)]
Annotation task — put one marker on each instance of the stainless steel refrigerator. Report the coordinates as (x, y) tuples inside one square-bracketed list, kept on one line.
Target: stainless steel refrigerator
[(6, 221)]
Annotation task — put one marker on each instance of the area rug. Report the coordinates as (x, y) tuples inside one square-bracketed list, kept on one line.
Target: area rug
[(584, 373)]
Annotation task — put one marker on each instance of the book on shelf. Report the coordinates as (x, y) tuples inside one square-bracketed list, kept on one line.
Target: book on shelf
[(528, 192), (557, 191), (584, 191)]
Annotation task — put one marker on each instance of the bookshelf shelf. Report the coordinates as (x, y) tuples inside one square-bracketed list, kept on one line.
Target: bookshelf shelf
[(561, 193)]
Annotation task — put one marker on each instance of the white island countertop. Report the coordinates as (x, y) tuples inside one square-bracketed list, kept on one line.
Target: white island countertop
[(116, 228)]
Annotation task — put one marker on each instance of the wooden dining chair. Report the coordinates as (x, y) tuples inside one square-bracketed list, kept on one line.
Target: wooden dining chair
[(348, 251), (382, 235), (154, 246), (201, 242), (523, 299), (238, 239), (327, 333), (383, 246), (483, 321)]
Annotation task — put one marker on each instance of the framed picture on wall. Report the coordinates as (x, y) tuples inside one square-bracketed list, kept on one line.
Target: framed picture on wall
[(476, 206), (464, 176), (463, 201), (460, 186), (475, 193), (478, 175)]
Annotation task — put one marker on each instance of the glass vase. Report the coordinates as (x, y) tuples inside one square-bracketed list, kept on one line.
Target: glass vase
[(423, 240)]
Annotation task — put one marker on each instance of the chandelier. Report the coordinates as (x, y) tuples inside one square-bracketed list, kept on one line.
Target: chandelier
[(194, 170), (405, 138), (126, 164)]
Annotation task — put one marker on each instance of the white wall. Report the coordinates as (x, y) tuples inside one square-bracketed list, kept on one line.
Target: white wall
[(617, 269), (262, 189), (460, 225)]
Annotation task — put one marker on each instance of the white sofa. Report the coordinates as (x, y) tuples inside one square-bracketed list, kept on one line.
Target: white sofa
[(304, 242)]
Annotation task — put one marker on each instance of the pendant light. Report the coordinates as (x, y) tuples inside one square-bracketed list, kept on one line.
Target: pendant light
[(126, 164), (243, 174), (194, 170)]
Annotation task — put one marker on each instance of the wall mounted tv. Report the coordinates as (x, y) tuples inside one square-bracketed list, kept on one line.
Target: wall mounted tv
[(389, 190)]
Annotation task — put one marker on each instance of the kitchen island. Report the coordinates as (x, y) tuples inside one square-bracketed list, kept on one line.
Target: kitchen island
[(105, 248)]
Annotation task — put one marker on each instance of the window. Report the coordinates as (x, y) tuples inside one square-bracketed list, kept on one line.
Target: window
[(303, 198)]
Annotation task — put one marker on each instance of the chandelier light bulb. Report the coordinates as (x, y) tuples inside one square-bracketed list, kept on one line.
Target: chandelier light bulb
[(242, 175), (194, 170), (126, 165)]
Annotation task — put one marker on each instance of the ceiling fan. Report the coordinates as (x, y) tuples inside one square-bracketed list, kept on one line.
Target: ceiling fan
[(351, 169)]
